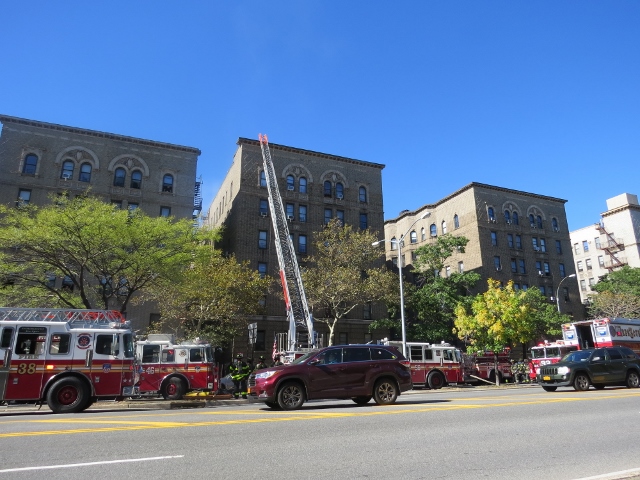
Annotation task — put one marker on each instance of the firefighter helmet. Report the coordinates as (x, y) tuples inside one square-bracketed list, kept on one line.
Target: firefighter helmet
[(239, 356)]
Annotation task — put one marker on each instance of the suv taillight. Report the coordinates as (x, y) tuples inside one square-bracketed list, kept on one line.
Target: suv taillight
[(406, 363)]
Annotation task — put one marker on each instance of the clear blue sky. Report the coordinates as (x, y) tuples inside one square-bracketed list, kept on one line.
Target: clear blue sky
[(536, 96)]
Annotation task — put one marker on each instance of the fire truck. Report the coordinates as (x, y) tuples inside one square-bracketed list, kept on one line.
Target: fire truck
[(547, 353), (172, 369), (433, 365), (485, 364), (603, 332), (68, 358)]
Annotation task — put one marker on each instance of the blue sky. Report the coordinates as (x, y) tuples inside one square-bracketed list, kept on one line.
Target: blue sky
[(540, 96)]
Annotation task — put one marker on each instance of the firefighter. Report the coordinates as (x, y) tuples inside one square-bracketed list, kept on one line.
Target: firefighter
[(239, 372), (514, 371), (261, 363), (524, 371)]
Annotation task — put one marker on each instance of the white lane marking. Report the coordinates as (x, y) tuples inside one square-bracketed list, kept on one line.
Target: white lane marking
[(70, 465), (614, 475)]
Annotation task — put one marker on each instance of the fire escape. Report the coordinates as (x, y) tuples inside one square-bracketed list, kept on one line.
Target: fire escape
[(197, 198), (612, 247)]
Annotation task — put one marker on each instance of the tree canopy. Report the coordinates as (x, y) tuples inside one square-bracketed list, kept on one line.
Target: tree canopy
[(618, 294), (346, 272)]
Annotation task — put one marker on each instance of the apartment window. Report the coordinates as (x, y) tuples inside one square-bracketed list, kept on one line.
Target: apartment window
[(132, 206), (264, 207), (262, 269), (547, 270), (165, 211), (456, 221), (497, 264), (491, 214), (539, 221), (541, 288), (510, 240), (460, 267), (362, 194), (67, 283), (394, 261), (167, 183), (514, 218), (543, 245), (583, 285), (262, 239), (394, 244), (447, 271), (302, 185), (24, 197), (340, 216), (30, 164), (302, 213), (414, 256), (565, 293), (444, 227), (119, 177), (534, 241), (339, 190), (532, 220), (587, 264), (507, 216), (414, 236), (364, 221), (596, 241), (423, 234), (519, 242), (601, 261), (327, 188), (579, 265), (116, 203), (433, 231), (563, 272), (525, 287), (585, 246), (136, 179), (539, 267), (328, 215), (554, 224), (67, 170), (516, 287), (85, 172), (576, 248), (494, 239), (366, 311), (521, 267), (290, 208), (263, 179), (514, 266), (592, 282), (558, 247), (302, 244), (291, 186)]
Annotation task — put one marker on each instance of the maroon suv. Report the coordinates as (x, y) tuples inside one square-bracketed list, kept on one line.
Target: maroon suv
[(358, 372)]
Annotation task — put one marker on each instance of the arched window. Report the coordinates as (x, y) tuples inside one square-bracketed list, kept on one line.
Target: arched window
[(539, 220), (362, 194), (491, 214), (167, 183), (136, 179), (423, 234), (433, 230), (327, 188), (85, 172), (263, 179), (302, 184), (444, 227), (507, 216), (339, 190), (414, 236), (30, 164), (532, 220), (515, 219), (67, 170), (394, 244), (554, 223), (119, 177), (456, 221), (291, 183)]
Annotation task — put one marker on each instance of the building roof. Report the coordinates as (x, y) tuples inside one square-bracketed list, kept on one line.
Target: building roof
[(94, 133)]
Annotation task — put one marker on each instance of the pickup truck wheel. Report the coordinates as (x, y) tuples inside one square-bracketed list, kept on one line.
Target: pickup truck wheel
[(362, 400), (436, 380), (173, 389), (291, 396), (547, 388), (581, 382), (68, 395), (633, 380), (385, 392)]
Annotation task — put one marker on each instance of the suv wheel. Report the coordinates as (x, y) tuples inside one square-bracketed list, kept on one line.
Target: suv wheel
[(633, 381), (581, 382), (385, 392), (291, 396)]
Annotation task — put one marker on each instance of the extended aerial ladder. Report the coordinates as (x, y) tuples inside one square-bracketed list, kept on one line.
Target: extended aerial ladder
[(294, 296)]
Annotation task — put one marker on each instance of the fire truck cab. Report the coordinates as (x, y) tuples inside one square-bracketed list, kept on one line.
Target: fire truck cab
[(547, 353), (172, 369), (68, 358)]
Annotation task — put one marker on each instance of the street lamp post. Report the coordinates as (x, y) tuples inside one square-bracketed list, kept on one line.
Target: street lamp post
[(399, 248), (573, 275)]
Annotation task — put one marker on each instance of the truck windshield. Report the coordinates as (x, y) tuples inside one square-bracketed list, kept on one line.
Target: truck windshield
[(537, 353), (127, 340), (579, 356)]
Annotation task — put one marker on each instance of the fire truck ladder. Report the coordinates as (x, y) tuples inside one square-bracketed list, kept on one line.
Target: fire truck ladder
[(85, 317), (294, 297), (611, 247)]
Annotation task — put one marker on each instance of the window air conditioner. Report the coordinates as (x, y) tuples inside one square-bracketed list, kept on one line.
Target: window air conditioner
[(263, 214), (498, 269), (290, 218), (508, 222), (339, 196), (66, 176), (540, 273), (537, 249), (290, 188)]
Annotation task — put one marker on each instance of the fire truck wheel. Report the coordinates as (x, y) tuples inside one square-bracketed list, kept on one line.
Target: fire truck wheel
[(68, 395), (272, 405), (362, 400), (633, 380), (549, 389), (581, 382), (291, 396), (435, 380), (385, 392), (173, 389)]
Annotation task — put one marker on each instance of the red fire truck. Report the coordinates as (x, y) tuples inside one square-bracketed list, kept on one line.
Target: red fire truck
[(433, 365), (172, 369), (547, 353), (485, 364), (603, 332), (68, 358)]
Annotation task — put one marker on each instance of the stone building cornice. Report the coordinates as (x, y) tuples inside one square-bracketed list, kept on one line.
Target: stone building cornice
[(619, 209)]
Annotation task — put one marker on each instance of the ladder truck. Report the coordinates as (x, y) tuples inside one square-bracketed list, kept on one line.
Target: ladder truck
[(294, 296)]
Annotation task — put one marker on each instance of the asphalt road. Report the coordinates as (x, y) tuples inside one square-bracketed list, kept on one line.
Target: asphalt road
[(516, 433)]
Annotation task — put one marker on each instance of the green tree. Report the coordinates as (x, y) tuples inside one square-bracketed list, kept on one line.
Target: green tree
[(618, 294), (345, 272), (104, 254), (502, 317), (435, 299), (625, 280), (211, 299)]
